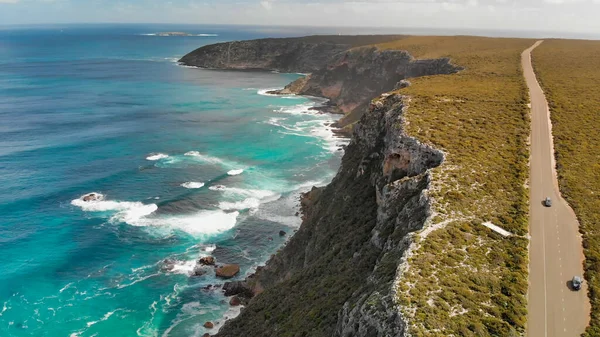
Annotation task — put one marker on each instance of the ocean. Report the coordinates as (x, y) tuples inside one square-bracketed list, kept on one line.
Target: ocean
[(183, 162)]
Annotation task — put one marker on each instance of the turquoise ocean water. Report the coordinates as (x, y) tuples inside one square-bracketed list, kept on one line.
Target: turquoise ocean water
[(187, 162)]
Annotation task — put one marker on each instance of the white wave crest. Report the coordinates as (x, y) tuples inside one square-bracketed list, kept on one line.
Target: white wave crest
[(157, 156), (249, 203), (127, 211), (265, 92), (260, 194), (210, 248), (193, 185), (104, 318), (201, 223), (184, 267), (203, 157), (299, 109), (235, 172)]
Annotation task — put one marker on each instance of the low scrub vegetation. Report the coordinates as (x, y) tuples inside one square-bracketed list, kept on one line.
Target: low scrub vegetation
[(462, 279), (569, 72)]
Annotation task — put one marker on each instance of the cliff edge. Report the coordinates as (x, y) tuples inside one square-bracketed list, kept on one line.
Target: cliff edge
[(291, 55), (335, 276)]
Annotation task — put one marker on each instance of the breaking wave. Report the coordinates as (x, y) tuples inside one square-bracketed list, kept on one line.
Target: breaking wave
[(235, 172), (193, 185), (157, 156)]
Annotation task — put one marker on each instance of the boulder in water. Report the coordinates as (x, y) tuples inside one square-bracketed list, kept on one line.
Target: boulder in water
[(228, 270), (91, 197), (207, 261), (209, 325), (282, 233)]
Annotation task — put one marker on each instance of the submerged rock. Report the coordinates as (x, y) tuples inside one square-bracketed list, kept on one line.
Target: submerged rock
[(92, 197), (199, 271), (207, 261), (227, 271), (167, 265), (282, 233)]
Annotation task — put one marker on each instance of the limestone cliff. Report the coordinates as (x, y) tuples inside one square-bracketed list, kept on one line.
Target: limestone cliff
[(335, 276), (293, 55), (342, 68), (352, 78)]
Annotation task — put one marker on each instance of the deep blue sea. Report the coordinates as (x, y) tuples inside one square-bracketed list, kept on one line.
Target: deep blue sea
[(184, 163)]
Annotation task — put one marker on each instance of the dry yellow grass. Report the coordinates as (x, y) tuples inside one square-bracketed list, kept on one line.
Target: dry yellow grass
[(463, 279), (569, 72)]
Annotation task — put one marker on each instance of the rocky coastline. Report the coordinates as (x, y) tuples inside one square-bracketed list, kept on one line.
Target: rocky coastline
[(335, 276)]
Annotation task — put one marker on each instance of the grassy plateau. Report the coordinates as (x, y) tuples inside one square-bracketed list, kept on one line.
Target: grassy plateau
[(461, 278)]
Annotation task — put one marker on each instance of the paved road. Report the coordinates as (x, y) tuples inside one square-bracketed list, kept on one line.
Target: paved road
[(556, 253)]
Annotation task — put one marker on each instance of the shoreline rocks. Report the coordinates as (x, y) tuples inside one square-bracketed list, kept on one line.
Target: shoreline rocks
[(227, 271), (92, 197), (207, 261)]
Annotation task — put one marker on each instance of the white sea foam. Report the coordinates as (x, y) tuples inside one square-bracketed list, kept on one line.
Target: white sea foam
[(318, 128), (157, 156), (167, 35), (299, 109), (5, 307), (138, 214), (201, 223), (127, 211), (265, 92), (231, 313), (104, 318), (260, 194), (235, 172), (203, 157), (64, 288), (249, 203), (184, 267), (210, 248), (193, 185)]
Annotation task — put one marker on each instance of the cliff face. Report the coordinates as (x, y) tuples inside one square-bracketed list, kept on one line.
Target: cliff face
[(293, 55), (352, 78), (340, 69), (335, 276)]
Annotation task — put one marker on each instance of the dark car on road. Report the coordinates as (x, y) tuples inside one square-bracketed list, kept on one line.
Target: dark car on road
[(548, 202)]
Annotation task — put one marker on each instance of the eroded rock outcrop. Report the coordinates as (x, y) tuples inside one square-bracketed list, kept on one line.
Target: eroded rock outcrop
[(294, 55), (351, 79), (335, 276)]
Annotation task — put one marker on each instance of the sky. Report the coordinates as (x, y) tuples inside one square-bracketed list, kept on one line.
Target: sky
[(523, 15)]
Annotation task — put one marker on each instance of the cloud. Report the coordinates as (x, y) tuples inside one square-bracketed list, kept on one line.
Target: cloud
[(9, 1)]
